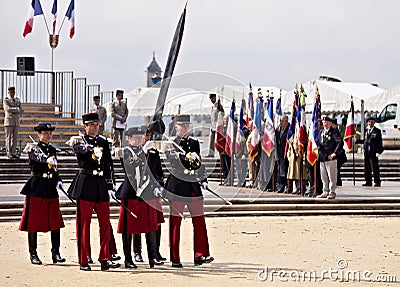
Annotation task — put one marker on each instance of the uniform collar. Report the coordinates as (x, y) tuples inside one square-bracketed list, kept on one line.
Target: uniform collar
[(40, 143)]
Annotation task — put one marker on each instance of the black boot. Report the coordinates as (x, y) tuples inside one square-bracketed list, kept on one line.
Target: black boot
[(158, 240), (151, 243), (55, 247), (32, 241), (126, 244), (137, 247)]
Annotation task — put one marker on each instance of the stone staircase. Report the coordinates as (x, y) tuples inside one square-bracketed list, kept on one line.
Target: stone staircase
[(17, 171), (34, 113)]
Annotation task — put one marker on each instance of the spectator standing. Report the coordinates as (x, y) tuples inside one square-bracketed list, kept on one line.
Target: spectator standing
[(97, 108), (119, 114), (331, 143), (372, 149), (12, 113)]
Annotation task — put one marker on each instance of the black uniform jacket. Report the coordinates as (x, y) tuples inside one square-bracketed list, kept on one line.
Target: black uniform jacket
[(139, 182), (44, 177), (94, 178), (155, 166), (331, 142), (373, 142), (184, 180)]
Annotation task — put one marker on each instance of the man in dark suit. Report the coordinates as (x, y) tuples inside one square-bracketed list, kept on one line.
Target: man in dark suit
[(372, 149), (187, 172), (282, 162)]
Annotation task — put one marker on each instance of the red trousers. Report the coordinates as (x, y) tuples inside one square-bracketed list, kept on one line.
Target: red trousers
[(84, 211), (200, 239)]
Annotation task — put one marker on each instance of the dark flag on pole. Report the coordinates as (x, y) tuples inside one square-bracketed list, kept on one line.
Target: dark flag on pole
[(157, 125)]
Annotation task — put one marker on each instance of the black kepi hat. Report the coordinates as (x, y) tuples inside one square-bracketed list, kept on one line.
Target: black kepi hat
[(326, 119), (96, 98), (136, 130), (119, 92), (370, 118), (44, 126), (90, 117), (182, 119)]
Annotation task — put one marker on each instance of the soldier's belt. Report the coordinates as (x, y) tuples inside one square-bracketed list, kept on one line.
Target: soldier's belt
[(91, 172), (188, 171), (42, 175)]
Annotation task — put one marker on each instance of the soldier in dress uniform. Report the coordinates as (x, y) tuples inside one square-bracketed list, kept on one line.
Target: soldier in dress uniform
[(138, 192), (41, 211), (119, 114), (12, 112), (154, 163), (97, 108), (91, 187), (183, 185)]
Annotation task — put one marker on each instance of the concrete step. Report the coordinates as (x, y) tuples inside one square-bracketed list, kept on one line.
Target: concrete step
[(12, 211)]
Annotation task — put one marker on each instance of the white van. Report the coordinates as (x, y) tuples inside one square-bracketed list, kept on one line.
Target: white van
[(388, 120)]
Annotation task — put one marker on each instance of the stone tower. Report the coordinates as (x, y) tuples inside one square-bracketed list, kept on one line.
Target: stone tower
[(153, 73)]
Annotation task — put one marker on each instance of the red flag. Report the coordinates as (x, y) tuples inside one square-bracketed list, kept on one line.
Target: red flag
[(350, 129)]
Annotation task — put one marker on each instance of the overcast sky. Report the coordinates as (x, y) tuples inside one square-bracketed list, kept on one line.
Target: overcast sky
[(270, 43)]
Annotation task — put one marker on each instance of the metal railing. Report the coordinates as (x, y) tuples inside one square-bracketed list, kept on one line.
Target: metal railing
[(72, 96)]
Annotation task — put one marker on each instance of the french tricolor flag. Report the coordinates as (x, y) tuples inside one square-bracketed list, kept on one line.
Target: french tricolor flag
[(230, 134), (54, 12), (34, 10), (71, 17)]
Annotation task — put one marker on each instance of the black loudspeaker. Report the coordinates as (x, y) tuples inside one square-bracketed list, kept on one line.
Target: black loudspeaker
[(25, 66)]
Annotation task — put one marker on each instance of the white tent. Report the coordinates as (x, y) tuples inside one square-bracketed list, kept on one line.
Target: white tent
[(142, 101), (335, 96), (380, 101)]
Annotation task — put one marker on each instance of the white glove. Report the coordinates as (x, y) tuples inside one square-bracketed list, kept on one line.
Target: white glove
[(192, 156), (378, 154), (60, 185), (111, 193), (157, 192), (98, 153), (204, 185), (148, 145), (51, 160)]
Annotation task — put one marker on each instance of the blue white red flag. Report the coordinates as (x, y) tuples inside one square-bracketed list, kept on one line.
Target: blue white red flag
[(301, 115), (241, 123), (54, 12), (313, 135), (350, 129), (292, 126), (34, 10), (71, 17), (268, 141), (230, 131)]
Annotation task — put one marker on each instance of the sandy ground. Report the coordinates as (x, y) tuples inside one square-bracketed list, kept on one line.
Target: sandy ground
[(245, 249)]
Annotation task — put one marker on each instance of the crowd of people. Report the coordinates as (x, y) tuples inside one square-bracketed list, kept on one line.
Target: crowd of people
[(144, 186), (291, 172)]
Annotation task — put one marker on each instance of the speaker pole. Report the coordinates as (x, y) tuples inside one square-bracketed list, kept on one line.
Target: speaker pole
[(53, 41)]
